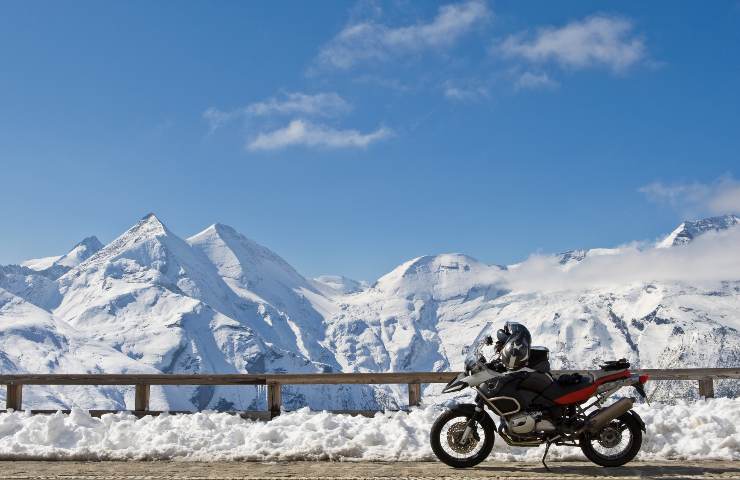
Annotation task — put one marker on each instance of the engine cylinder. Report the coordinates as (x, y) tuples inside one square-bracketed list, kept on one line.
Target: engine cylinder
[(544, 426), (521, 424)]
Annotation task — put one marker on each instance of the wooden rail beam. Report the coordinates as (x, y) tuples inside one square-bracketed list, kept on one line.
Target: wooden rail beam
[(14, 396), (689, 373), (314, 378), (135, 379), (274, 399), (390, 378)]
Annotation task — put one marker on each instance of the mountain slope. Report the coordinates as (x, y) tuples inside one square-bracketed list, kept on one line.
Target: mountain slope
[(30, 285), (220, 302), (257, 276), (32, 341), (284, 309), (159, 300)]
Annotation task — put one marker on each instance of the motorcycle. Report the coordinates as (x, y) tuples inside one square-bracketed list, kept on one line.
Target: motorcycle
[(537, 407)]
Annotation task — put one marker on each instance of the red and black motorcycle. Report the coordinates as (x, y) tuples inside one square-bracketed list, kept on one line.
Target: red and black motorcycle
[(537, 407)]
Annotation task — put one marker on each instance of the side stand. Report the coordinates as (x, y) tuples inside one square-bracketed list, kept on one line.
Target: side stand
[(547, 449)]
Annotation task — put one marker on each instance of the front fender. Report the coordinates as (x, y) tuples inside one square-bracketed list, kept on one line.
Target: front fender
[(465, 408), (469, 410), (639, 420)]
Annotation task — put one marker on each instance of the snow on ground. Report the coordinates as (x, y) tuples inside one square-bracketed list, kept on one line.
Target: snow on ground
[(706, 429)]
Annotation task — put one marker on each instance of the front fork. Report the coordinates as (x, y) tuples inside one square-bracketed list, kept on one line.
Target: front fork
[(470, 427)]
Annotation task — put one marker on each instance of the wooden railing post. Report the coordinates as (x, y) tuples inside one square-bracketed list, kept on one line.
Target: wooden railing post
[(706, 387), (274, 399), (414, 394), (141, 398), (14, 396)]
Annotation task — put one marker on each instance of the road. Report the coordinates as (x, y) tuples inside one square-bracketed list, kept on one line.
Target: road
[(19, 470)]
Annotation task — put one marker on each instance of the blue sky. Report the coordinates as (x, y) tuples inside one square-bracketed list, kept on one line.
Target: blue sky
[(349, 137)]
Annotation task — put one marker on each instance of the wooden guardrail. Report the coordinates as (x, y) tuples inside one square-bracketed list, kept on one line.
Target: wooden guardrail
[(14, 383)]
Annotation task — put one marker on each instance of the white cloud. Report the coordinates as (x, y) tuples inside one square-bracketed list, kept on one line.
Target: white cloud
[(304, 133), (371, 41), (218, 118), (529, 80), (300, 131), (462, 94), (691, 199), (595, 41), (712, 257), (320, 104)]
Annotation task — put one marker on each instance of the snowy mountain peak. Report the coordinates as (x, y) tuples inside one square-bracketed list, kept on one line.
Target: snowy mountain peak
[(431, 264), (150, 224), (440, 276), (148, 250), (688, 230), (247, 252), (80, 252), (223, 230), (218, 230), (39, 264), (90, 242), (55, 267), (149, 230), (572, 256)]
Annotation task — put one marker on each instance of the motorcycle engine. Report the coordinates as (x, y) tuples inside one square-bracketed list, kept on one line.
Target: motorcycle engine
[(529, 422)]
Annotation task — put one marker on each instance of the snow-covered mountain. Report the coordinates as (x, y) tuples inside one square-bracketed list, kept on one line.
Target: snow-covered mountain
[(687, 231), (55, 267), (150, 301), (34, 340), (333, 285)]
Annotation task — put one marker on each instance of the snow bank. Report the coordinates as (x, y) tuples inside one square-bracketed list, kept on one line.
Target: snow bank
[(697, 430)]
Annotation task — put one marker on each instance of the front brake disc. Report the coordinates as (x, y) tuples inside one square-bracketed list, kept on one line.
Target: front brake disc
[(455, 433)]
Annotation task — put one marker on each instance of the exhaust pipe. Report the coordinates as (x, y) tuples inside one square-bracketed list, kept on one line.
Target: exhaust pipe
[(606, 415)]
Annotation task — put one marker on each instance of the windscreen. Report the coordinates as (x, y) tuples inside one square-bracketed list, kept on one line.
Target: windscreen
[(476, 346)]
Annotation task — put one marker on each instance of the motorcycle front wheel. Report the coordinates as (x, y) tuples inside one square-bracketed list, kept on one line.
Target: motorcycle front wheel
[(616, 444), (447, 433)]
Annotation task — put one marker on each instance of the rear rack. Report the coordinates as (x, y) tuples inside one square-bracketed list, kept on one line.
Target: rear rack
[(620, 364)]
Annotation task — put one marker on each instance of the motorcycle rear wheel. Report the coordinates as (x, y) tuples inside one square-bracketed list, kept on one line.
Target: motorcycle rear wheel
[(608, 447), (450, 426)]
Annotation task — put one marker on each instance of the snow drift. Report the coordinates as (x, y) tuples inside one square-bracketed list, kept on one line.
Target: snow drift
[(700, 430)]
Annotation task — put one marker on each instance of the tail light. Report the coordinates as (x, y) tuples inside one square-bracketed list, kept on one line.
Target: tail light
[(644, 378)]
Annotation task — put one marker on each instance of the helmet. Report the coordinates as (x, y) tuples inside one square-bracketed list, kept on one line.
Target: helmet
[(514, 341), (510, 328)]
